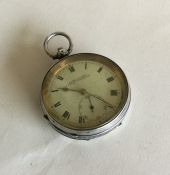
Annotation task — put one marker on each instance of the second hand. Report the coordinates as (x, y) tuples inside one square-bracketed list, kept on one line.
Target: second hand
[(91, 106)]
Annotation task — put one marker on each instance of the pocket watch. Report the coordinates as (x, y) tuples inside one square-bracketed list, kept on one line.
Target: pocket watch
[(84, 95)]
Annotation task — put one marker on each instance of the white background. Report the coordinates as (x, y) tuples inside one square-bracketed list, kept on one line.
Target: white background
[(133, 33)]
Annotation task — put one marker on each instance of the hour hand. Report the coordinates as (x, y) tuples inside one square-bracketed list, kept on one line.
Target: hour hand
[(67, 89)]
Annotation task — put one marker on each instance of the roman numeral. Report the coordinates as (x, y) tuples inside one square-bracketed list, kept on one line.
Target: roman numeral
[(85, 65), (71, 68), (60, 78), (114, 92), (100, 69), (57, 104), (66, 115), (110, 79), (54, 90), (82, 119)]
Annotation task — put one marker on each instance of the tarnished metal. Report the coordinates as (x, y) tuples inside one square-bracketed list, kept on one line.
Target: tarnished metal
[(61, 52)]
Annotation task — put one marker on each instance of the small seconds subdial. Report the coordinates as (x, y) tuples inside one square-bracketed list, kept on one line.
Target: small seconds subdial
[(84, 94)]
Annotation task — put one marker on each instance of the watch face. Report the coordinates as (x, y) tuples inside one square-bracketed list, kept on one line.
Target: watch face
[(84, 91)]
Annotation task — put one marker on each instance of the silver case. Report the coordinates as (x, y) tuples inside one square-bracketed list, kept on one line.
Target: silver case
[(89, 133)]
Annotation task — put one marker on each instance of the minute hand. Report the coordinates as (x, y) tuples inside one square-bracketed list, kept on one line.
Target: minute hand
[(101, 99)]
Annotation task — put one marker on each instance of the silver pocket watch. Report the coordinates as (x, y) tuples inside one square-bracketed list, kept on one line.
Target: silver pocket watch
[(84, 95)]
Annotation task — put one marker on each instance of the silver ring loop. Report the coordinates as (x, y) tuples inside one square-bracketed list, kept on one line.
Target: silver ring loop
[(61, 51)]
